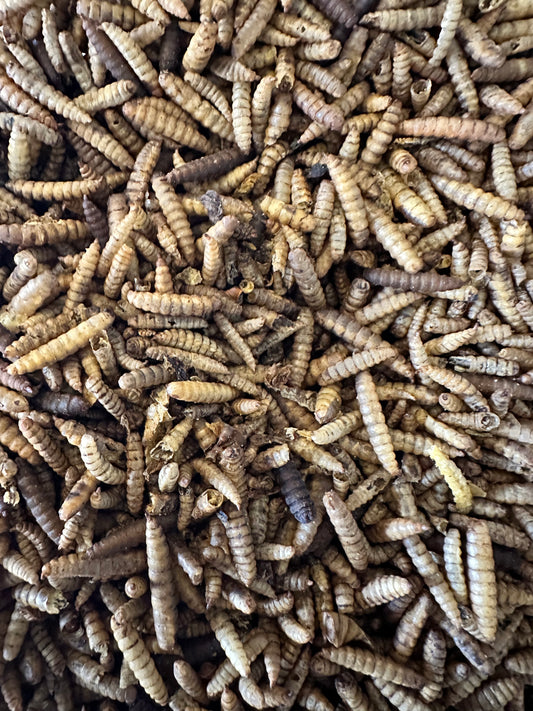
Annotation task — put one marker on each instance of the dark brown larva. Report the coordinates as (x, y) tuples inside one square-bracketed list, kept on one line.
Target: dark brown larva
[(295, 493)]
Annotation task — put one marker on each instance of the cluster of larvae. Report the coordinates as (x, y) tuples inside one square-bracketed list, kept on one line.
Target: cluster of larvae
[(266, 355)]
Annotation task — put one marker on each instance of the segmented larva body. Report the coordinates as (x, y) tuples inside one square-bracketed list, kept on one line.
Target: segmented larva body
[(453, 564), (62, 346), (388, 234), (347, 189), (375, 665), (352, 539), (229, 640), (374, 421), (44, 445), (138, 658), (481, 575), (306, 278), (410, 626), (473, 198), (161, 584), (240, 543), (82, 278), (382, 134), (296, 494), (429, 570)]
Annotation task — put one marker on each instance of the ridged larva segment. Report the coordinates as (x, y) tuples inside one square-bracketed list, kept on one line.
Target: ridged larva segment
[(161, 584), (45, 94), (406, 201), (200, 47), (354, 364), (307, 279), (29, 299), (134, 55), (313, 104), (381, 137), (172, 208), (252, 28), (287, 214), (455, 479), (410, 626), (173, 304), (229, 640), (343, 177), (431, 574), (99, 98), (375, 665), (97, 465), (481, 575), (352, 539), (384, 589), (242, 115), (62, 346), (138, 658), (83, 276), (453, 564), (158, 118), (198, 391), (473, 198), (395, 529), (452, 127), (393, 240), (374, 421), (49, 450), (106, 396), (240, 543)]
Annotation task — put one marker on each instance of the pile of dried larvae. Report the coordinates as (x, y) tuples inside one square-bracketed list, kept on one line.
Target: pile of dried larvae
[(266, 337)]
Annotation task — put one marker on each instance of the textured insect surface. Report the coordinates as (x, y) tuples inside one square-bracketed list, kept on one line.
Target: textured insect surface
[(481, 576), (265, 354)]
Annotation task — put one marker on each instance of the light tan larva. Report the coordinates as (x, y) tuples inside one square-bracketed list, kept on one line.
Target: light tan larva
[(481, 576)]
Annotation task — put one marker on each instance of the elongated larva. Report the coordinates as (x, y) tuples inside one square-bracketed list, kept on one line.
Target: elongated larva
[(138, 658), (481, 578)]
